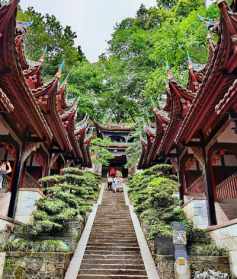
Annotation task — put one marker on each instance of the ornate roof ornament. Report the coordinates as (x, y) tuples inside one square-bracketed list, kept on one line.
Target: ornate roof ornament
[(60, 70)]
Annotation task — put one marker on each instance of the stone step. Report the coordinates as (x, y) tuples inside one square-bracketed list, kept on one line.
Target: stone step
[(111, 226), (101, 237), (106, 221), (113, 229), (113, 219), (123, 233), (108, 245), (112, 271), (112, 252), (95, 257), (112, 214), (116, 266), (113, 210), (116, 259), (230, 208), (119, 236), (114, 222), (110, 208), (104, 276), (113, 241), (114, 232), (111, 248), (107, 205)]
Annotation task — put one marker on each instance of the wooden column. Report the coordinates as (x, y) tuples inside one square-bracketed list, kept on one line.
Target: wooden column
[(208, 186), (181, 189), (46, 169), (16, 183), (180, 177)]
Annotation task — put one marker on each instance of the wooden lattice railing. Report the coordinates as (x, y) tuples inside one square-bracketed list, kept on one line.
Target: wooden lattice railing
[(30, 182), (227, 189), (197, 186)]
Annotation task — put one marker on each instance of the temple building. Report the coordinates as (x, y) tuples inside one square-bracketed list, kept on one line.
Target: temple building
[(120, 137), (39, 133), (196, 132)]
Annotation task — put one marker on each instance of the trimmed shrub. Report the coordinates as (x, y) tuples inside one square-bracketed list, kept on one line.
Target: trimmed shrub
[(51, 206), (161, 169), (69, 197), (207, 250), (49, 181), (74, 171), (31, 246), (153, 193)]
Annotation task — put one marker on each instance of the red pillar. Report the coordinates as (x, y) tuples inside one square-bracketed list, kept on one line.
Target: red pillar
[(209, 187), (16, 183)]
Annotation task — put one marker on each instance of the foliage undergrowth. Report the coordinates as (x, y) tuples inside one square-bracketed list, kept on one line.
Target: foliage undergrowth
[(23, 245), (68, 197), (153, 193)]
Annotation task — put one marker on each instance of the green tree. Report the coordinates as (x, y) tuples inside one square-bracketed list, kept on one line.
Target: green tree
[(47, 32), (99, 147), (130, 78), (166, 3)]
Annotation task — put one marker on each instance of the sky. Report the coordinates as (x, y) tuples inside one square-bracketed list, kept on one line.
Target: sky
[(92, 20)]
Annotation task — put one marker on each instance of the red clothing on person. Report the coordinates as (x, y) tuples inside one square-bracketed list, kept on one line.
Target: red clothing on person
[(112, 172)]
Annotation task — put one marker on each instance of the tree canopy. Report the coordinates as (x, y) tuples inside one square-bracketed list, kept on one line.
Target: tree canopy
[(130, 78), (46, 34)]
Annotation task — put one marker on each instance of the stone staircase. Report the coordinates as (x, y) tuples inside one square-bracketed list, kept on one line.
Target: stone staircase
[(112, 250), (229, 208)]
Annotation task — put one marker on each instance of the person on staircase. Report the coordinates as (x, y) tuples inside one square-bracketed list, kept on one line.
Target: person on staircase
[(109, 182), (112, 171), (110, 177), (5, 168), (117, 184)]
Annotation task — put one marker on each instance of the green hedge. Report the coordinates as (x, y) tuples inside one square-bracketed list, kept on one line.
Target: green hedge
[(153, 193), (49, 181), (161, 169), (72, 170), (30, 246), (67, 197)]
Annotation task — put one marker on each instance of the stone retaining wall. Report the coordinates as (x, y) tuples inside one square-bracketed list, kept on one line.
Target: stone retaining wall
[(27, 265), (70, 236), (165, 265), (214, 263)]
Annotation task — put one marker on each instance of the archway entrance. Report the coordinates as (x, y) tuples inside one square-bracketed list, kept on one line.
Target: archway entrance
[(119, 163)]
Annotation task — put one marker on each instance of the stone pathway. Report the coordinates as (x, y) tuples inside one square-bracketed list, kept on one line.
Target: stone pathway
[(112, 250)]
